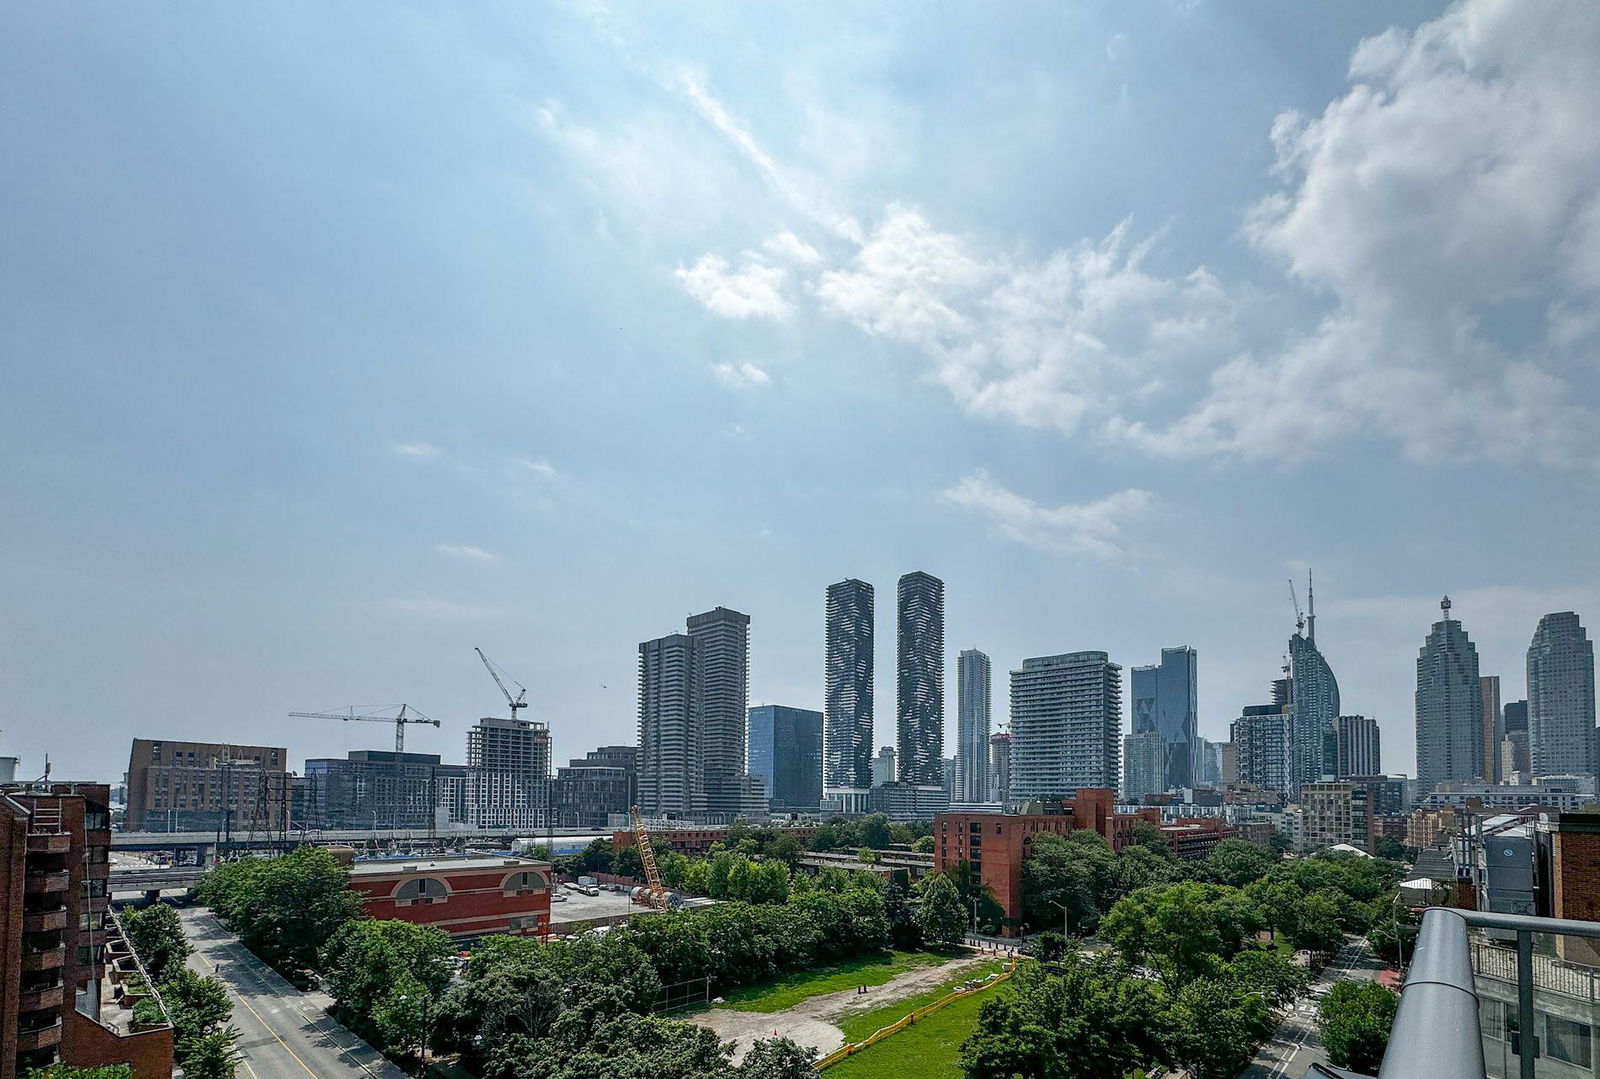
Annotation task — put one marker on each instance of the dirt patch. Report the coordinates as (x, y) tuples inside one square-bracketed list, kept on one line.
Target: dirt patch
[(812, 1021)]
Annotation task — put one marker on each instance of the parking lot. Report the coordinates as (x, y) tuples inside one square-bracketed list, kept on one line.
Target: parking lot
[(603, 908)]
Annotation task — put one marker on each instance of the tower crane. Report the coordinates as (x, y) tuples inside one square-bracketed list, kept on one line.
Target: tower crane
[(1299, 617), (495, 672), (406, 715)]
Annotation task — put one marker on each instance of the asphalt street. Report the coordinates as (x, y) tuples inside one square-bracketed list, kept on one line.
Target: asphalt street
[(283, 1033), (1295, 1045)]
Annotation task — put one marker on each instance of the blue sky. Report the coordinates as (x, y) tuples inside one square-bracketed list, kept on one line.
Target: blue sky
[(337, 341)]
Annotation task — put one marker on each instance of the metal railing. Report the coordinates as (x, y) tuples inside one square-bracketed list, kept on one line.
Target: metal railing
[(1436, 1033), (1569, 979)]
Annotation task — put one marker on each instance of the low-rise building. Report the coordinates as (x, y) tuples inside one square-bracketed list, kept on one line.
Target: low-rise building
[(593, 789), (205, 786), (466, 897), (59, 1001)]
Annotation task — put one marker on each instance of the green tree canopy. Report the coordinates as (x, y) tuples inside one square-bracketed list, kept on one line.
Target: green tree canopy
[(1216, 1027), (1183, 931), (1354, 1020), (385, 976), (1089, 1021), (285, 909), (941, 917), (1236, 863), (157, 937)]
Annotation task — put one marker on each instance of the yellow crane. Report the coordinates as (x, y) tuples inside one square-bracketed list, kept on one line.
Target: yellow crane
[(655, 895)]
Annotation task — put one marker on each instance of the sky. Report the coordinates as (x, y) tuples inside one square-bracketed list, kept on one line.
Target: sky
[(338, 340)]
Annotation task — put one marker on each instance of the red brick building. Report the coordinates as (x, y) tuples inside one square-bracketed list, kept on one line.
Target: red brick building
[(63, 963), (466, 897), (1568, 855), (998, 843)]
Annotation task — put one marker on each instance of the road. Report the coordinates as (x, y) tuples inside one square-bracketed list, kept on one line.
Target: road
[(283, 1033), (1295, 1045)]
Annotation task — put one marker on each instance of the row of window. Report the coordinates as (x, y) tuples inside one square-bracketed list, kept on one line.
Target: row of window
[(1565, 1040), (426, 890)]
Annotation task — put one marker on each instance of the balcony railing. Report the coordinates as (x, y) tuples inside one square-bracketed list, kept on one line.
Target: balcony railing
[(1436, 1033), (1569, 979)]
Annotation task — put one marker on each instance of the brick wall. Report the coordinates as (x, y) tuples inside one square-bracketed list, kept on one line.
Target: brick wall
[(475, 902)]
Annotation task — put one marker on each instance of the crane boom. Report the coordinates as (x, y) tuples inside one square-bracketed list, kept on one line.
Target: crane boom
[(406, 715), (1299, 618), (656, 895), (494, 672)]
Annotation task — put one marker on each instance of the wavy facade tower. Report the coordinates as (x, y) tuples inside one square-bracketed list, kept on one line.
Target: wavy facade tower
[(919, 655), (847, 697)]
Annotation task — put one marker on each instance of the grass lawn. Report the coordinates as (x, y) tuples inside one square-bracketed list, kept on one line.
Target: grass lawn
[(859, 1027), (790, 990), (927, 1050)]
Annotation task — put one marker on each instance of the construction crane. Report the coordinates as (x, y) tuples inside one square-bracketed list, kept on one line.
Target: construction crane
[(406, 716), (655, 895), (1299, 617), (519, 701)]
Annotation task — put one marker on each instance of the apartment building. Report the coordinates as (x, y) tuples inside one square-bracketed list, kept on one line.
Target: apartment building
[(204, 786)]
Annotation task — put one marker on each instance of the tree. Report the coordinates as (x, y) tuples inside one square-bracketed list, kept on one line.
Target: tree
[(1236, 863), (71, 1071), (1215, 1028), (286, 909), (1147, 833), (778, 1058), (970, 888), (1394, 850), (941, 918), (1268, 973), (385, 976), (213, 1056), (1077, 872), (1354, 1020), (922, 845), (197, 1007), (1316, 923), (1091, 1020), (1182, 930), (157, 937), (901, 916), (1049, 946), (875, 831), (628, 1047)]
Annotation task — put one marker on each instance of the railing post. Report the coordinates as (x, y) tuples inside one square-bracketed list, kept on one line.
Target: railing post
[(1527, 1039)]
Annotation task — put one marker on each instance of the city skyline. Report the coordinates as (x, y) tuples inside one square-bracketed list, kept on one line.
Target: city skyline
[(773, 299)]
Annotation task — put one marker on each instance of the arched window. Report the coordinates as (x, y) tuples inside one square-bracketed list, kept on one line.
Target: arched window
[(421, 890), (525, 882)]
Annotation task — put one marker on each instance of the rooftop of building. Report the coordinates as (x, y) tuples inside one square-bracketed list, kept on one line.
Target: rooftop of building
[(379, 867)]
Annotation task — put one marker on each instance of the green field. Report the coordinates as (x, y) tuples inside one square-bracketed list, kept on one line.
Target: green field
[(928, 1049), (788, 991), (859, 1027)]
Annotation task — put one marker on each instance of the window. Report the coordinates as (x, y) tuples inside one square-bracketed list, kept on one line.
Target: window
[(421, 890), (1491, 1019), (525, 882), (1567, 1041)]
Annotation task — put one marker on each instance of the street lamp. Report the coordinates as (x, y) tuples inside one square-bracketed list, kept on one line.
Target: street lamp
[(1064, 914)]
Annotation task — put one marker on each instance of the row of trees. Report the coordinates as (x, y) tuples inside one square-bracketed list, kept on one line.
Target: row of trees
[(198, 1007), (286, 909), (1189, 981)]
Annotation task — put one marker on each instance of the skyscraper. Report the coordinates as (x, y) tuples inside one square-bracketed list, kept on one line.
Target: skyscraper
[(1449, 705), (786, 753), (1313, 701), (847, 707), (1000, 767), (919, 639), (1142, 765), (1356, 747), (721, 639), (508, 774), (972, 727), (669, 744), (1514, 745), (1493, 726), (883, 766), (1264, 746), (1165, 700), (1561, 732), (1066, 721)]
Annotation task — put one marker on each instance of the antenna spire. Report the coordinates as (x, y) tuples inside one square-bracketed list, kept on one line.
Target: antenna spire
[(1311, 608)]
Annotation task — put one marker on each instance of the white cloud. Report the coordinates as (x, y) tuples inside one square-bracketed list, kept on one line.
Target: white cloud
[(1457, 178), (543, 468), (414, 449), (752, 291), (1094, 529), (467, 551), (742, 376), (790, 248)]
